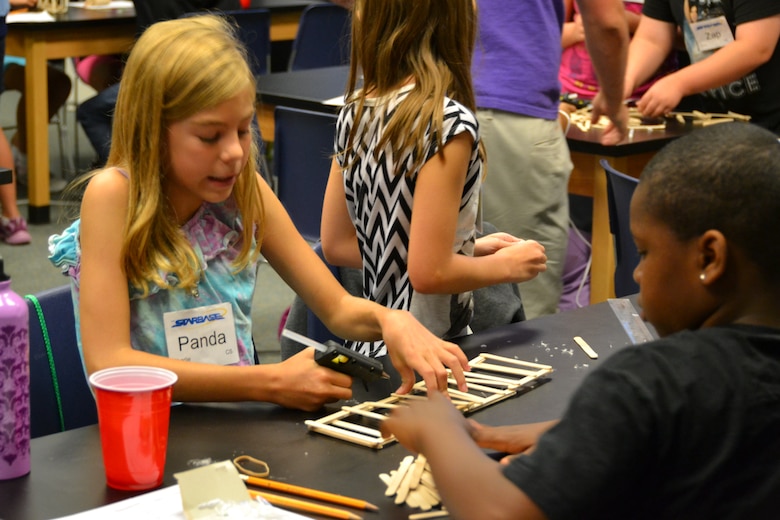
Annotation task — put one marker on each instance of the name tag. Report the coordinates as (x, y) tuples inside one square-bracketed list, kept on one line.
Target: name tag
[(203, 335), (712, 34)]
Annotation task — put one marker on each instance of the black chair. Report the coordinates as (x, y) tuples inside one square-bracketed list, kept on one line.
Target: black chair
[(60, 396), (323, 38), (303, 147), (254, 31), (620, 189)]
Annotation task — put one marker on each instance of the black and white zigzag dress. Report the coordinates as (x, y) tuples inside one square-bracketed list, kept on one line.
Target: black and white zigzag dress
[(380, 198)]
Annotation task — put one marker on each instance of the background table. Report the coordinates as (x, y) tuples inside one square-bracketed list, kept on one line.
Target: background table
[(67, 470), (588, 179), (79, 32)]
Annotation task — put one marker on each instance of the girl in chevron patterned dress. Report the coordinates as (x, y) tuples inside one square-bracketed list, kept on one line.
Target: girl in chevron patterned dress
[(409, 164), (163, 259)]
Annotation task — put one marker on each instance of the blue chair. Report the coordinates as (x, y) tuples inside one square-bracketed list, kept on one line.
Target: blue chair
[(323, 38), (303, 147), (620, 189), (254, 31), (60, 396)]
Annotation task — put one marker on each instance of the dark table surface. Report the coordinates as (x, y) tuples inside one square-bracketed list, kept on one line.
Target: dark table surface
[(639, 140), (67, 470), (304, 89)]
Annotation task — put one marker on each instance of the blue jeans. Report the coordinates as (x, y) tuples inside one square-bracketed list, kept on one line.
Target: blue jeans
[(96, 116)]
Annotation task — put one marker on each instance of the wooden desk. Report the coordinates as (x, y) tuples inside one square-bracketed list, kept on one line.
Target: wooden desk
[(588, 179), (67, 470), (78, 32)]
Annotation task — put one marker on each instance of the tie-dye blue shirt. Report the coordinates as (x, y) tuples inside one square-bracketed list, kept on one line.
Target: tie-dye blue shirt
[(214, 232)]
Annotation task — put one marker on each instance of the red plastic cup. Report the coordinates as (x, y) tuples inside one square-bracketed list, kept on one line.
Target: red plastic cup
[(134, 409)]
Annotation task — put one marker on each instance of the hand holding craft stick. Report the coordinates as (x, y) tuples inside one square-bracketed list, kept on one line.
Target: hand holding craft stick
[(309, 493)]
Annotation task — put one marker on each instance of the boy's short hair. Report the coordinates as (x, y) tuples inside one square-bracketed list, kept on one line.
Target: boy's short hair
[(724, 177)]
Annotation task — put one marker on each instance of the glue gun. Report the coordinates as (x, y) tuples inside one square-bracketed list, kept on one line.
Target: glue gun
[(341, 359)]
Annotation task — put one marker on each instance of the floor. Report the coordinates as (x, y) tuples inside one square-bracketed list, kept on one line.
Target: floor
[(29, 267)]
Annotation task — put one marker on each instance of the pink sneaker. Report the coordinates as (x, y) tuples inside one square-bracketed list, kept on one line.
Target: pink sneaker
[(14, 231)]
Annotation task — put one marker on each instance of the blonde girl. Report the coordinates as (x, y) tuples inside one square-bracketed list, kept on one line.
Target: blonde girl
[(163, 259)]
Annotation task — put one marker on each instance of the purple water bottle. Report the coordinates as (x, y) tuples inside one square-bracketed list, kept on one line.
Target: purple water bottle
[(14, 382)]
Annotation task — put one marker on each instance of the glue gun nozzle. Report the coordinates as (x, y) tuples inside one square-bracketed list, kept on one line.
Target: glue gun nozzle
[(385, 375)]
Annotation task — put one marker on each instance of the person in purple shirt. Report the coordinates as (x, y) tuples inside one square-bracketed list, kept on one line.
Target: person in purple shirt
[(515, 74)]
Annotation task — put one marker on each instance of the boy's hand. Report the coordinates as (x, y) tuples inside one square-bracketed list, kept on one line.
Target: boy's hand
[(661, 98)]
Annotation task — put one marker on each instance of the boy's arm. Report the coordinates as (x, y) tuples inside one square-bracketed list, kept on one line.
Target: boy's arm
[(651, 44), (471, 484), (753, 45)]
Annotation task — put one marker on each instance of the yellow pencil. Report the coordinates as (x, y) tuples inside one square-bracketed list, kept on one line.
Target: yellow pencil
[(310, 493), (302, 505)]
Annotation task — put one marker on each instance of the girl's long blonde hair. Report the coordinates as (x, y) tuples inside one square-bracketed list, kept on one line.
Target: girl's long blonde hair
[(428, 42), (176, 69)]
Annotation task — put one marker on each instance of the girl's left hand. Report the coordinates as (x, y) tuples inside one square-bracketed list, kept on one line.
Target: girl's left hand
[(413, 348), (489, 244)]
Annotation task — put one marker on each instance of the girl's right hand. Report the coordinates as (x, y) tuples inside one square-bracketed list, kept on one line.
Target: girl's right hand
[(303, 384)]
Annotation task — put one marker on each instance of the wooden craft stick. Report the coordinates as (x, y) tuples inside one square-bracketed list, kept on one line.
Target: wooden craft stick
[(302, 505), (309, 493), (490, 379), (417, 470), (466, 396), (488, 355), (410, 397), (399, 475), (441, 513), (403, 488), (585, 347), (346, 435), (365, 413), (506, 370), (357, 428), (480, 388)]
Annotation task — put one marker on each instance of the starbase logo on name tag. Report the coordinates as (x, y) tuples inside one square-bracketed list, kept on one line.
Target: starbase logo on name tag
[(204, 334)]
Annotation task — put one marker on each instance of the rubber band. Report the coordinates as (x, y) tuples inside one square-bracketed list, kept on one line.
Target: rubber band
[(238, 461)]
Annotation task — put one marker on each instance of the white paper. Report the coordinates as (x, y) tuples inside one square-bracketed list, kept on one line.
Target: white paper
[(115, 4), (38, 16), (337, 101), (161, 504)]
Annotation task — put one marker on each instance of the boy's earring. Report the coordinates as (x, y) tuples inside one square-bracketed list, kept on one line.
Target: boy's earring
[(702, 277)]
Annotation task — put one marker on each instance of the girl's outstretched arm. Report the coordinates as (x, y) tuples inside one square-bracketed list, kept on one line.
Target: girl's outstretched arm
[(105, 323), (412, 348), (433, 265)]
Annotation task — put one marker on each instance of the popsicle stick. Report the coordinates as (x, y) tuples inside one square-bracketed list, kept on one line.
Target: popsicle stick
[(585, 347), (513, 361), (346, 435), (399, 475), (441, 513), (358, 428), (365, 413)]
